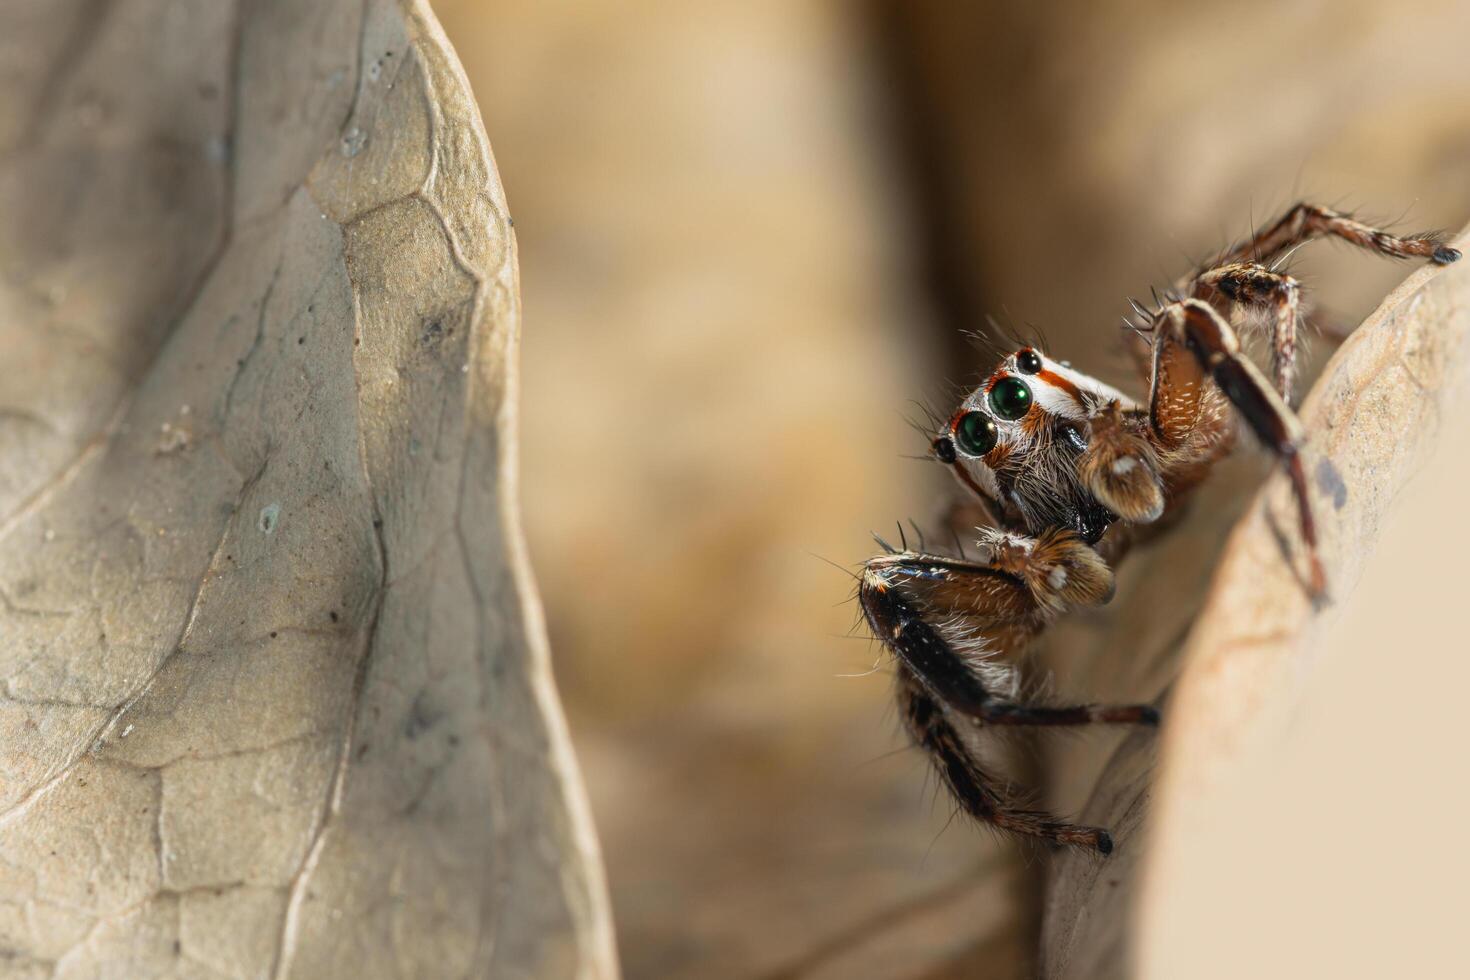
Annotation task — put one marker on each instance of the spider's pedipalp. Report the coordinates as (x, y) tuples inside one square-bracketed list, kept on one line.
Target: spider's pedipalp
[(1121, 467)]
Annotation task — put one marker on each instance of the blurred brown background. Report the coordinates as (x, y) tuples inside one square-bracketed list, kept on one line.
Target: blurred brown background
[(750, 233)]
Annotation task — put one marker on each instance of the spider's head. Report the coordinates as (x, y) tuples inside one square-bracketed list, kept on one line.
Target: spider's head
[(1015, 441)]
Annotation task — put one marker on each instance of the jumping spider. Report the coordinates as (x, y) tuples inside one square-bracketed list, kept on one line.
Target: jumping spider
[(1066, 470)]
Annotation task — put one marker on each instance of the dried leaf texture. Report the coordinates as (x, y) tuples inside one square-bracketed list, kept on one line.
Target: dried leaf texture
[(1244, 654), (275, 699)]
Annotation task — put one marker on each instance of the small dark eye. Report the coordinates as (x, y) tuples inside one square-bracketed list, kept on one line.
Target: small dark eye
[(1028, 361), (976, 433), (944, 449), (1010, 398)]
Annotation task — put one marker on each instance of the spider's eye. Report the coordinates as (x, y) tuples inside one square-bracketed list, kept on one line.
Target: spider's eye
[(944, 449), (1010, 398), (1028, 361), (976, 433)]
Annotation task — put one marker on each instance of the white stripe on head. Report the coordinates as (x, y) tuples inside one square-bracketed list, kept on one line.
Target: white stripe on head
[(1086, 383)]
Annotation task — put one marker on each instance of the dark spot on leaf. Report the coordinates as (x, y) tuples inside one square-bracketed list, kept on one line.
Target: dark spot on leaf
[(1329, 481), (422, 716)]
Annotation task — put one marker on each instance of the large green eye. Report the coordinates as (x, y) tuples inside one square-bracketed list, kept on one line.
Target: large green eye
[(1010, 398), (976, 433)]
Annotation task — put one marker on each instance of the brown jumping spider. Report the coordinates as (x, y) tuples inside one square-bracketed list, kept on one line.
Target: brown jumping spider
[(1065, 469)]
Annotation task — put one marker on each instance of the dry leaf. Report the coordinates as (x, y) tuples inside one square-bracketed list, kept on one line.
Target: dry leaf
[(275, 693)]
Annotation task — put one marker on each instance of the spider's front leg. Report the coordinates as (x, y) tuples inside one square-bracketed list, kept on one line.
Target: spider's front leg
[(1246, 274), (1194, 342), (1303, 222), (952, 624), (1251, 284)]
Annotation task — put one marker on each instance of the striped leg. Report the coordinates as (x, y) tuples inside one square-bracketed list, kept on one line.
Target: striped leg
[(1305, 222), (1197, 329), (949, 623), (979, 794), (1253, 285)]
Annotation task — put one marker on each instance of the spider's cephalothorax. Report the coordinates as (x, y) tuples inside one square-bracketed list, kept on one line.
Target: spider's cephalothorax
[(1066, 466), (1018, 441)]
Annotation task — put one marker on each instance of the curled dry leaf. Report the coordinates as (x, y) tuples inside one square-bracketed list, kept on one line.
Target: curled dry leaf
[(1238, 627), (274, 695)]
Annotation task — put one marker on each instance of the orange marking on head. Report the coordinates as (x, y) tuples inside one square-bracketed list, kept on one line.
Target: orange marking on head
[(1065, 384)]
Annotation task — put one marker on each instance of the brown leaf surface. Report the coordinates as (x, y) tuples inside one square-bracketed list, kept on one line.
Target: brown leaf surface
[(1371, 420), (275, 696)]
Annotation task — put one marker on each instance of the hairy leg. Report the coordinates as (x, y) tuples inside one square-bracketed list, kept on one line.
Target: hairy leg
[(1252, 285), (950, 622), (1305, 222), (977, 793), (1197, 329)]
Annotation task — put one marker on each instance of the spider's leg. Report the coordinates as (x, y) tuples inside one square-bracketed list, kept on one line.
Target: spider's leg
[(1305, 222), (947, 621), (1247, 273), (979, 794), (1252, 284), (1194, 330)]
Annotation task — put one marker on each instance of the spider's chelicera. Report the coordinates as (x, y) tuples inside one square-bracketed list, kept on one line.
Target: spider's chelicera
[(1066, 470)]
